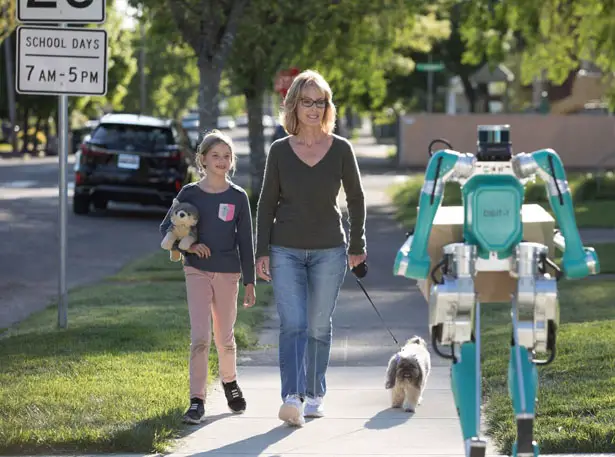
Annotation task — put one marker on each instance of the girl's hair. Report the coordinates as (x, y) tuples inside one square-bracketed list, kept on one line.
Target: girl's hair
[(212, 138), (289, 119)]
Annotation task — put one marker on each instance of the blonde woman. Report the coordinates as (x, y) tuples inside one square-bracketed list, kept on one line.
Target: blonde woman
[(213, 266), (301, 243)]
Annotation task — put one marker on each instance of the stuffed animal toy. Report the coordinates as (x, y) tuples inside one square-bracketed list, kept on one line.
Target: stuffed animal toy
[(184, 217)]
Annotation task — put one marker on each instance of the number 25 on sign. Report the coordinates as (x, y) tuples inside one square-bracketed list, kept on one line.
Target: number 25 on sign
[(63, 11), (54, 3)]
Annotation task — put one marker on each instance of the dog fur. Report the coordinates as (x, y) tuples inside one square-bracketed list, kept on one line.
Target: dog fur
[(407, 374), (184, 217)]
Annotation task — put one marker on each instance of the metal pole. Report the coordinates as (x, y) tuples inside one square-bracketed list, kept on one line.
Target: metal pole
[(429, 88), (63, 185), (142, 61), (8, 54)]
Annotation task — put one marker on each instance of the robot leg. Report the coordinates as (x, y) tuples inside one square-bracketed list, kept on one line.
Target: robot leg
[(452, 310), (535, 317)]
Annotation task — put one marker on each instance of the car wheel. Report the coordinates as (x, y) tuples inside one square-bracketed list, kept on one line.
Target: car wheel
[(100, 204), (81, 204)]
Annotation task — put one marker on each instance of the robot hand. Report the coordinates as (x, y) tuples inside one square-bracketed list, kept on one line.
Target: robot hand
[(418, 268), (575, 267)]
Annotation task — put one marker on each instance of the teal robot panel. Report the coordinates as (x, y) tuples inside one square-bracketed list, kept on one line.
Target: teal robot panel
[(492, 207)]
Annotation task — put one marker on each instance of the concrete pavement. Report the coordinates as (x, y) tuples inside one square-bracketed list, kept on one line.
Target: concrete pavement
[(358, 418), (358, 421)]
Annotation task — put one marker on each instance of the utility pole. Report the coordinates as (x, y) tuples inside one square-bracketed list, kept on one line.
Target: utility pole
[(430, 67), (10, 83), (142, 61), (429, 88)]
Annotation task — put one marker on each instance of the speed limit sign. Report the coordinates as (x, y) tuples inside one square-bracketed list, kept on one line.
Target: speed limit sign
[(67, 11)]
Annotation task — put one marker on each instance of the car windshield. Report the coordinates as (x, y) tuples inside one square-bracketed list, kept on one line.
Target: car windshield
[(132, 137)]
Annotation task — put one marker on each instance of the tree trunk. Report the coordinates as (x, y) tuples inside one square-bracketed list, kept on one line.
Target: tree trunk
[(26, 128), (37, 127), (256, 136), (208, 96), (469, 91)]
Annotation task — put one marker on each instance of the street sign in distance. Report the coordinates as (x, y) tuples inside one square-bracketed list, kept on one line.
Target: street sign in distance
[(61, 61), (68, 11), (436, 66)]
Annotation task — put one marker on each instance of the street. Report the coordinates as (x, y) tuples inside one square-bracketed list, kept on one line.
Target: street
[(98, 244)]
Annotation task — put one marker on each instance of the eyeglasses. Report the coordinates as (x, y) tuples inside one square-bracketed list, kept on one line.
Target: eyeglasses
[(308, 103)]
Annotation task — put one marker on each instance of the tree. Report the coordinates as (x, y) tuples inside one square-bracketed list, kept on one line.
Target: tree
[(425, 32), (269, 34), (209, 28), (172, 76), (7, 18), (274, 35), (121, 67), (357, 49), (553, 36)]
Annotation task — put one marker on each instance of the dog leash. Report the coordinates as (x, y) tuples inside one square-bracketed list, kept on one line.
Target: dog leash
[(360, 271)]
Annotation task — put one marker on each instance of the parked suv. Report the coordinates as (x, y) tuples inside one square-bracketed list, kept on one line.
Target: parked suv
[(131, 158)]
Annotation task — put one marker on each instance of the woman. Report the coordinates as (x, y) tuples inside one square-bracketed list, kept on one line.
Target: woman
[(301, 243)]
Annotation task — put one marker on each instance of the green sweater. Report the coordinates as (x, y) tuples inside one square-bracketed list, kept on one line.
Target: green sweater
[(298, 203)]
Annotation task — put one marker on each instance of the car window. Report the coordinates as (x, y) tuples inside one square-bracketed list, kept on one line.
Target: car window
[(132, 137)]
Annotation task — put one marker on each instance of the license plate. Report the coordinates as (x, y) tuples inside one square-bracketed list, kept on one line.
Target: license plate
[(129, 161)]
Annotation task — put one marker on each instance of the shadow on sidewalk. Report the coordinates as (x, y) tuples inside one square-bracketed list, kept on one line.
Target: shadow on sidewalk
[(254, 445), (383, 420)]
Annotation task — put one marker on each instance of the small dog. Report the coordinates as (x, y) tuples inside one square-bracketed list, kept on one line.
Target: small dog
[(184, 218), (407, 374)]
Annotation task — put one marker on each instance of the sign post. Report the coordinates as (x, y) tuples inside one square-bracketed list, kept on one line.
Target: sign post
[(430, 67), (61, 61)]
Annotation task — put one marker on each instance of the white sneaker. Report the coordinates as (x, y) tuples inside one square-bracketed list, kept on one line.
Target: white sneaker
[(314, 407), (291, 411)]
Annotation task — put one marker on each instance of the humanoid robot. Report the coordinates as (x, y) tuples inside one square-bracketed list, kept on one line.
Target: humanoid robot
[(492, 188)]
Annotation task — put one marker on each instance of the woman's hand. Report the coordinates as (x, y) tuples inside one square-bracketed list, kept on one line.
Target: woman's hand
[(249, 296), (262, 268), (200, 249), (354, 260)]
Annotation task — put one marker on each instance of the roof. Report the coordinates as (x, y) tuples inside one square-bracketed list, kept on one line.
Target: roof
[(134, 119), (487, 75)]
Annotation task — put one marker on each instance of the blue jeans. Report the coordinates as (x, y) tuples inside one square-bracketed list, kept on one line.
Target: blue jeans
[(306, 285)]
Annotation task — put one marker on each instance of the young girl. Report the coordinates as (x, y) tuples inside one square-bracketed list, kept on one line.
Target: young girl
[(222, 254)]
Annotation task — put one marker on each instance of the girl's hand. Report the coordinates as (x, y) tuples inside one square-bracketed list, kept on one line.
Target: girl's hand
[(200, 249), (249, 296), (354, 260), (262, 268)]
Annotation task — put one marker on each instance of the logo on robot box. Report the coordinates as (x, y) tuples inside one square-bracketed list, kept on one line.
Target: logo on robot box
[(496, 212)]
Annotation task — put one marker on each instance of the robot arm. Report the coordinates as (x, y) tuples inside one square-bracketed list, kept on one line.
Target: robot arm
[(578, 261), (443, 166)]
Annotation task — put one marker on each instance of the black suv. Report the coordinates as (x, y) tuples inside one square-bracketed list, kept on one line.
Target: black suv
[(131, 158)]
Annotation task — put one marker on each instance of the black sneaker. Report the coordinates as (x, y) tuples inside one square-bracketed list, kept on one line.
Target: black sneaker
[(196, 412), (234, 397)]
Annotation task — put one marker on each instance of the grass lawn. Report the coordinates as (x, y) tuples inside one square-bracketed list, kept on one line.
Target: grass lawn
[(116, 380), (576, 396), (606, 255)]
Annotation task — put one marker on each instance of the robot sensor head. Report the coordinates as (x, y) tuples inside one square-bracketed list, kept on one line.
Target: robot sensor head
[(493, 144)]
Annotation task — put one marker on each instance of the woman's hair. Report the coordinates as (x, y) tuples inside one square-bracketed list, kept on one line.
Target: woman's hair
[(211, 139), (289, 119)]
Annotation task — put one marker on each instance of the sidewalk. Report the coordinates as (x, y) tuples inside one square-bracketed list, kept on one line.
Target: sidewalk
[(358, 419)]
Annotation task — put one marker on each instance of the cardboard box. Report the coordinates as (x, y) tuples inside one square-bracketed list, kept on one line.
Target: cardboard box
[(491, 287)]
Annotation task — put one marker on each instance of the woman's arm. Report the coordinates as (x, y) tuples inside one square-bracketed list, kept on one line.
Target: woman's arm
[(246, 243), (267, 204), (355, 201)]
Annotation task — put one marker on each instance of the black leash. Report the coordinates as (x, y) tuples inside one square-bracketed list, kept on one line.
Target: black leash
[(360, 271)]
